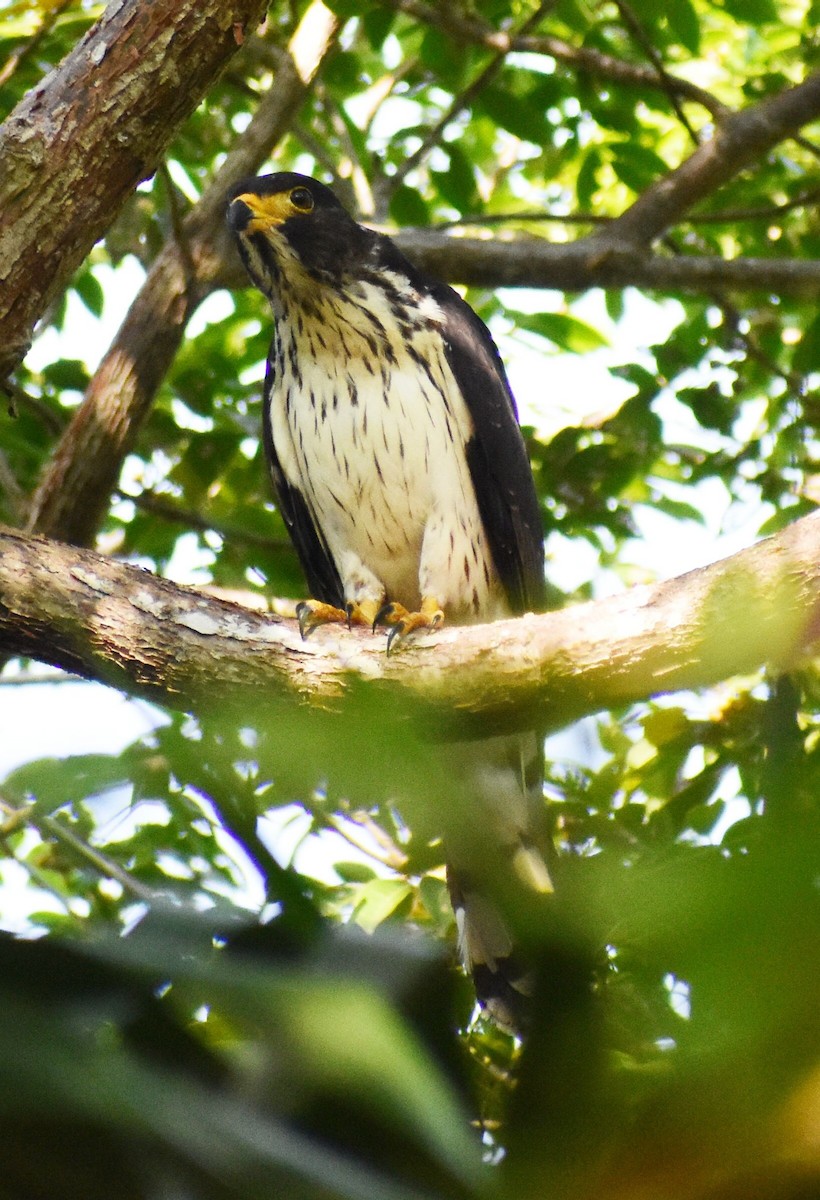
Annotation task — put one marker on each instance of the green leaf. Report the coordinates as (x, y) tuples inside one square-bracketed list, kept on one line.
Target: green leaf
[(680, 510), (378, 900), (807, 352), (90, 291), (637, 166), (710, 406), (751, 12), (457, 184), (786, 516), (377, 23), (683, 21), (565, 331), (354, 872), (67, 374), (408, 207), (586, 184), (348, 1033), (53, 782)]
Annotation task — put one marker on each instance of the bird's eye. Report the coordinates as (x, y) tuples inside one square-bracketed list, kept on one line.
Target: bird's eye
[(301, 199)]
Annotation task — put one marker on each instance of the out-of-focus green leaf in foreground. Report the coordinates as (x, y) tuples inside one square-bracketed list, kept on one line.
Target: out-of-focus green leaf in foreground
[(675, 1049)]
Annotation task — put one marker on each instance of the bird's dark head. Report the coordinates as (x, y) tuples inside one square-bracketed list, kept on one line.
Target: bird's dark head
[(285, 216)]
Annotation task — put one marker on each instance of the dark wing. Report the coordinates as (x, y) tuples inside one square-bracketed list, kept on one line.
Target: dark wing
[(320, 570), (496, 455)]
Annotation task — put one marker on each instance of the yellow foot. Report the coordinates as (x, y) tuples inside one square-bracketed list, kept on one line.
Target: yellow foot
[(403, 623), (313, 613)]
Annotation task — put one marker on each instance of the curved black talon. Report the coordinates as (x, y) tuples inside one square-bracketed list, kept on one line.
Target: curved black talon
[(385, 611), (303, 615), (397, 631)]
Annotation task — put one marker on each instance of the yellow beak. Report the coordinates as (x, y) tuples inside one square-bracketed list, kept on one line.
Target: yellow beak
[(268, 211)]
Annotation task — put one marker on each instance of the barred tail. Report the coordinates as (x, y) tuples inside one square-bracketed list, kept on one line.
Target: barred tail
[(509, 830)]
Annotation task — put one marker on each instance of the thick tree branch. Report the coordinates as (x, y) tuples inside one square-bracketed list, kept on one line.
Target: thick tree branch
[(102, 619), (529, 262), (77, 486), (78, 144), (739, 140), (576, 266)]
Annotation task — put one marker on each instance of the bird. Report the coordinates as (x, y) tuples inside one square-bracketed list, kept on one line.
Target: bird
[(400, 470)]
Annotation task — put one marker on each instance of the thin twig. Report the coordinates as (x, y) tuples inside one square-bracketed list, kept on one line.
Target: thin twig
[(795, 382), (461, 102), (52, 421), (390, 855), (37, 678), (728, 216), (19, 56), (17, 500), (179, 231), (49, 826), (167, 510), (665, 80), (462, 27)]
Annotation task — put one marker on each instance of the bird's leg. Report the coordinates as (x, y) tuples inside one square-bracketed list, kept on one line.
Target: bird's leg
[(313, 613), (403, 623)]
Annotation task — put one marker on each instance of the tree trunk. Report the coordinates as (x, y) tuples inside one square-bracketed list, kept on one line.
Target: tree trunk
[(78, 144)]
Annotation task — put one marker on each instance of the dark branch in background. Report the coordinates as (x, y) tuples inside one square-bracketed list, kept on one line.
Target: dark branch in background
[(84, 469), (168, 510), (666, 82), (727, 216), (69, 165), (760, 212), (739, 140), (84, 612), (461, 102), (468, 28), (576, 266), (15, 496)]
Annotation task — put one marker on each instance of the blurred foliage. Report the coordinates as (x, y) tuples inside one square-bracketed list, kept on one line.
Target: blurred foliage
[(239, 993)]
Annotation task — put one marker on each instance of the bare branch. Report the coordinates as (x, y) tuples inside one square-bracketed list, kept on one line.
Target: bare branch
[(573, 267), (109, 621), (167, 509), (739, 140), (666, 81), (76, 146), (51, 828)]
